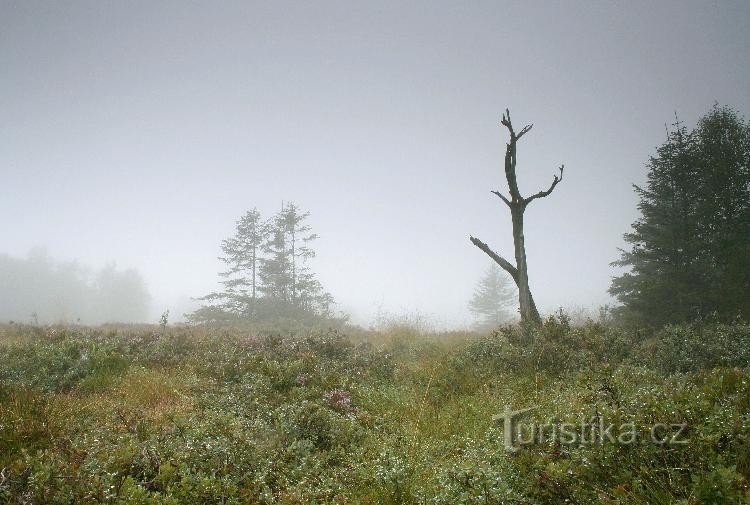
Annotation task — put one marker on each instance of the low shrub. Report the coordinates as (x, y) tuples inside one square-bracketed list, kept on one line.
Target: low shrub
[(179, 415)]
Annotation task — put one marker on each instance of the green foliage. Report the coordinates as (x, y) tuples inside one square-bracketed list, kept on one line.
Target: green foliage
[(684, 348), (689, 248), (176, 415), (721, 485)]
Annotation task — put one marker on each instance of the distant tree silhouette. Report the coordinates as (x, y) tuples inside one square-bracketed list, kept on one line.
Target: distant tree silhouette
[(241, 254), (491, 299), (42, 290), (268, 275)]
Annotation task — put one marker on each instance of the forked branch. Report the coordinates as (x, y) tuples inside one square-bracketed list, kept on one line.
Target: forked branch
[(509, 125)]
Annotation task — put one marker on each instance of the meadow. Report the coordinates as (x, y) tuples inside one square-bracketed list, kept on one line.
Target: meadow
[(177, 414)]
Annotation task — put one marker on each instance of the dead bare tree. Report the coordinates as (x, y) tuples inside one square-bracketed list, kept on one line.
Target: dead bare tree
[(517, 205)]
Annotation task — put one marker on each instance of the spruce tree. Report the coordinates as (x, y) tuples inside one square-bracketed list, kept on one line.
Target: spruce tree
[(724, 209), (268, 278), (242, 255), (492, 297), (298, 237), (275, 267), (689, 248), (285, 274)]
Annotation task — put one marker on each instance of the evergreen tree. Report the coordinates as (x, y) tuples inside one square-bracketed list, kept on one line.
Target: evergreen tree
[(724, 209), (492, 297), (689, 248), (242, 253), (275, 266), (304, 288), (284, 271), (268, 277)]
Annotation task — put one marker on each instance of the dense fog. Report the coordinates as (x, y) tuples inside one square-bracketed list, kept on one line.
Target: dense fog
[(140, 133)]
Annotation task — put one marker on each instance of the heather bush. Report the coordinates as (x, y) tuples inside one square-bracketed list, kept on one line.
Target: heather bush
[(180, 415), (682, 348)]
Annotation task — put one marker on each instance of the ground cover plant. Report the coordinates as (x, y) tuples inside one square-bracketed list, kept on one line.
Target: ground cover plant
[(197, 415)]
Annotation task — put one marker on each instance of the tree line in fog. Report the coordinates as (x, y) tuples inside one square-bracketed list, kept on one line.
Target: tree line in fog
[(37, 289)]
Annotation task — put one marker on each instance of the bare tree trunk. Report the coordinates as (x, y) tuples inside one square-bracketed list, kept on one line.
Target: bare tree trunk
[(517, 205), (525, 300)]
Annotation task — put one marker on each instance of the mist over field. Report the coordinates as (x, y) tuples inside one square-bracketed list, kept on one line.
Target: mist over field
[(139, 133)]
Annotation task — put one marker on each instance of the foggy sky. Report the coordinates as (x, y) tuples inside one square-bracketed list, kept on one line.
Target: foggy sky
[(138, 132)]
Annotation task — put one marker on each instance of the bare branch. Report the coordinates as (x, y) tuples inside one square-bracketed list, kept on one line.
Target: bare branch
[(502, 197), (542, 194), (524, 130), (505, 264)]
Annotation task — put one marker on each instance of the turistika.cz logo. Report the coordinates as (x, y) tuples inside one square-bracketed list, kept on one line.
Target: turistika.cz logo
[(595, 430)]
